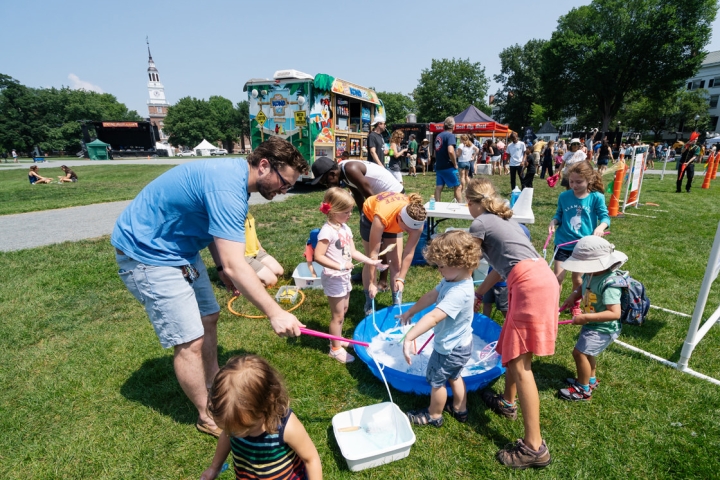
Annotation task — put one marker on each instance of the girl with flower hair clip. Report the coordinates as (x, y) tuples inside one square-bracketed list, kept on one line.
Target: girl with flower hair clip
[(335, 251)]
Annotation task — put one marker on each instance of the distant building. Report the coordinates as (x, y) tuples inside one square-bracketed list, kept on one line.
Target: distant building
[(548, 132), (157, 105), (708, 77)]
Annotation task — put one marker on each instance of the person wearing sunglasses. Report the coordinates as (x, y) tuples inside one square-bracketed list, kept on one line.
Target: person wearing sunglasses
[(158, 239)]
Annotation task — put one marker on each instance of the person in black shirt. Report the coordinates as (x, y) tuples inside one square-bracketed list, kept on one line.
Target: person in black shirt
[(376, 142), (686, 165)]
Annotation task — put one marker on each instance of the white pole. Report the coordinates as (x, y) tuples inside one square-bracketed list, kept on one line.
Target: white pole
[(629, 182), (671, 311), (689, 371), (667, 154), (643, 159), (691, 339)]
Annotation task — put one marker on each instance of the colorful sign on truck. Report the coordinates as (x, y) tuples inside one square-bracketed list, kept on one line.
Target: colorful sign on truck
[(320, 115)]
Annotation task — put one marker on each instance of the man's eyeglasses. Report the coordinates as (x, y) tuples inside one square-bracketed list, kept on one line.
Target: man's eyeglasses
[(286, 186)]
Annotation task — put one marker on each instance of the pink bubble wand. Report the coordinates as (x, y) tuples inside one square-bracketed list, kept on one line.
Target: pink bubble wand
[(315, 333)]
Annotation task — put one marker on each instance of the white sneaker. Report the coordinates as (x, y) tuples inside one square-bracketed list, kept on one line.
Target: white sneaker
[(341, 355)]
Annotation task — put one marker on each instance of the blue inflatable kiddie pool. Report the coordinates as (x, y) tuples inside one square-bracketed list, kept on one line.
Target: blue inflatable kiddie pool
[(483, 327)]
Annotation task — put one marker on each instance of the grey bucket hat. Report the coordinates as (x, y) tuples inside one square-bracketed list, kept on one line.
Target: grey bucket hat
[(594, 254)]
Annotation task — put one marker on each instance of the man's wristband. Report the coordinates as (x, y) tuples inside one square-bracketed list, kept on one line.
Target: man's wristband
[(400, 280), (219, 269)]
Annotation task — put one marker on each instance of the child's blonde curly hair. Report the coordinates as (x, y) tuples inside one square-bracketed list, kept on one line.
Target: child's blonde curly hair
[(455, 248)]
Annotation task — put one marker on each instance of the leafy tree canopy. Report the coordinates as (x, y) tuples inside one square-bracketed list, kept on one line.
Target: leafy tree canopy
[(448, 87), (602, 52), (51, 118), (519, 76), (190, 121), (397, 106)]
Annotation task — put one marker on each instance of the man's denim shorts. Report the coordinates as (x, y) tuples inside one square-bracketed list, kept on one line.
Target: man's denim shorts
[(448, 177), (174, 306), (593, 343), (442, 368)]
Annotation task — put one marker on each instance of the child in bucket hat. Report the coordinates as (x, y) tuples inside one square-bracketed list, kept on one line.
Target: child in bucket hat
[(598, 260)]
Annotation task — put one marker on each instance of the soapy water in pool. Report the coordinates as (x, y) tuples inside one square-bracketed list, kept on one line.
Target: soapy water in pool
[(386, 348)]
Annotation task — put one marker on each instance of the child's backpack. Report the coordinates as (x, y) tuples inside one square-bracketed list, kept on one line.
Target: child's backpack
[(634, 302)]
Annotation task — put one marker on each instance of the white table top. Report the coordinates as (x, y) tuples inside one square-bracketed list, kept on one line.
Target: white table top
[(460, 211)]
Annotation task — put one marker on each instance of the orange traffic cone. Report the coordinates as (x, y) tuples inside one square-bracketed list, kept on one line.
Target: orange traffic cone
[(614, 206), (708, 171), (713, 174)]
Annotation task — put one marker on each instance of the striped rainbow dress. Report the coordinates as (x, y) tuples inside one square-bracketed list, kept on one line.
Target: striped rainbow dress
[(266, 456)]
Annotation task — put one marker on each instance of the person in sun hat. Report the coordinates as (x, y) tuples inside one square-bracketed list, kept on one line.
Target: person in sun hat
[(599, 313), (573, 155)]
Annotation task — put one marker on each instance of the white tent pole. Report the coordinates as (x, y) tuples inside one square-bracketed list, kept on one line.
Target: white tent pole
[(691, 339)]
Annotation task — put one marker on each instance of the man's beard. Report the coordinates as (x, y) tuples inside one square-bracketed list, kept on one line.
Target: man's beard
[(265, 189)]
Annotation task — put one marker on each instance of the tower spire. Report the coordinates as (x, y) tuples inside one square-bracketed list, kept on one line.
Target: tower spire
[(148, 45)]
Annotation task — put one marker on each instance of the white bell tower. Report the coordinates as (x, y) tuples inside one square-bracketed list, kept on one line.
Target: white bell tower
[(157, 105)]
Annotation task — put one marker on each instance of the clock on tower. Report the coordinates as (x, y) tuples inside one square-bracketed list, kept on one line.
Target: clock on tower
[(157, 104)]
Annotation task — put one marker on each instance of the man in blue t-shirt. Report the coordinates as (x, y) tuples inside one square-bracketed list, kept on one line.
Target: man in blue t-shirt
[(446, 168), (158, 239)]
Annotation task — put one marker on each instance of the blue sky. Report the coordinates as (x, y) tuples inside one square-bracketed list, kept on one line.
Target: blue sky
[(213, 47)]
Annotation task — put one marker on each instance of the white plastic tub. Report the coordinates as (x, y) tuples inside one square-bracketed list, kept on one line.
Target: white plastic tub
[(303, 278), (385, 435)]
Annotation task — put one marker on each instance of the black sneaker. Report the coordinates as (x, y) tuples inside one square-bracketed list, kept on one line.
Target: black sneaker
[(575, 393), (495, 402), (520, 456)]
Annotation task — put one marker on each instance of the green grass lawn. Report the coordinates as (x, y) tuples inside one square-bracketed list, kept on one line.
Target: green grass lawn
[(87, 392), (96, 184)]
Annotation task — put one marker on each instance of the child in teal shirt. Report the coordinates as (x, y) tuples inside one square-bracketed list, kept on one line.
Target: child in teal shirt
[(600, 317)]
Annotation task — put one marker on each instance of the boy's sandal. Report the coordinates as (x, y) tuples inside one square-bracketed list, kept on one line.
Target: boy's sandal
[(422, 417), (207, 429), (461, 417)]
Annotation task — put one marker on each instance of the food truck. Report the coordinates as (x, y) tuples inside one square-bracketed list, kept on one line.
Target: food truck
[(320, 115)]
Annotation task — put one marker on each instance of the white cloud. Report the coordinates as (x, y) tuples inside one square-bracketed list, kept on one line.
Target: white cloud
[(78, 84)]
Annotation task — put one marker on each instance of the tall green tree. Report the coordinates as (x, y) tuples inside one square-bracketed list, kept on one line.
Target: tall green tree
[(397, 106), (225, 119), (242, 120), (50, 118), (448, 87), (603, 52), (520, 70), (674, 113), (190, 121)]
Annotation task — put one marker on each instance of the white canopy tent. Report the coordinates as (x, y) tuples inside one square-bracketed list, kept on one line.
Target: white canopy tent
[(204, 148)]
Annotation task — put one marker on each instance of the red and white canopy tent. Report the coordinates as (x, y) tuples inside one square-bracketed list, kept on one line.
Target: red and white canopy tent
[(473, 121)]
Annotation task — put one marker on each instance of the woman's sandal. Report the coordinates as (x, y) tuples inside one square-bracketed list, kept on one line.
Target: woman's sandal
[(422, 417), (461, 417)]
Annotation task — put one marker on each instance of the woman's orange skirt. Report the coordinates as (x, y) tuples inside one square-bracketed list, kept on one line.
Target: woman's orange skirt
[(531, 324)]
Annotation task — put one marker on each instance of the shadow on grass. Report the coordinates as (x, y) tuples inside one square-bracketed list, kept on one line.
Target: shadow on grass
[(646, 332), (154, 385)]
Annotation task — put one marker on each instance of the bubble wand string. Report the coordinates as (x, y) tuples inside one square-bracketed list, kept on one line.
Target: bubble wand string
[(425, 344)]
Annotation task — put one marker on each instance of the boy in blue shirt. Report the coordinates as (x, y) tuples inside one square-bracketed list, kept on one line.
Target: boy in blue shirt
[(456, 255), (597, 259)]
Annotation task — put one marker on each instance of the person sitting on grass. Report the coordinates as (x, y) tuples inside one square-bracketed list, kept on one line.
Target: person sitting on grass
[(249, 402), (35, 178), (69, 176), (265, 266), (456, 254), (599, 314)]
